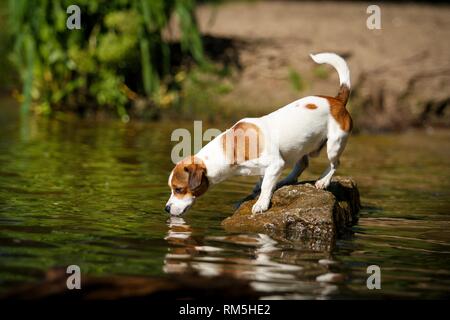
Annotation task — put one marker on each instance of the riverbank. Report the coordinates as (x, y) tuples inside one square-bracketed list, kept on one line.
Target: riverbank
[(400, 74)]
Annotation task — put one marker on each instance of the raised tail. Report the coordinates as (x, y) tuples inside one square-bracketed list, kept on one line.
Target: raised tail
[(342, 69)]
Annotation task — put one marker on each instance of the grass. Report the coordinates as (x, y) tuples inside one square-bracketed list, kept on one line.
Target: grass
[(119, 56), (296, 80)]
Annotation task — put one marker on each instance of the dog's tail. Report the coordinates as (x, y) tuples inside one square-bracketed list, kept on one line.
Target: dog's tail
[(342, 69)]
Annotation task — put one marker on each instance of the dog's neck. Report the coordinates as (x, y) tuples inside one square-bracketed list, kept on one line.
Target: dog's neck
[(212, 156)]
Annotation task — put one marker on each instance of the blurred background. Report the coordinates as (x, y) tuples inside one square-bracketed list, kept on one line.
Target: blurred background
[(85, 138), (150, 59)]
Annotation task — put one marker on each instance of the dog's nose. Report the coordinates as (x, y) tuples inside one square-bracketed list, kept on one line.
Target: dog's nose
[(167, 208)]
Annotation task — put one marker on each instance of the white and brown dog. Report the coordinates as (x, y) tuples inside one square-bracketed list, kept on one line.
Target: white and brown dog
[(265, 146)]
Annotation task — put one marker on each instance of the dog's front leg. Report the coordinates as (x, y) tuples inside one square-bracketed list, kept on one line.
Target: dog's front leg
[(271, 175)]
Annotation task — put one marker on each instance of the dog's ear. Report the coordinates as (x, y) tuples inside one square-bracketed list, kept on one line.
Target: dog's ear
[(198, 182)]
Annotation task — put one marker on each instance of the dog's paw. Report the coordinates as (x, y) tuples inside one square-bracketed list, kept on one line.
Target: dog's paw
[(259, 207), (322, 184)]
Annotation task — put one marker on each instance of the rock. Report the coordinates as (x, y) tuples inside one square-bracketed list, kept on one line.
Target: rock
[(303, 214)]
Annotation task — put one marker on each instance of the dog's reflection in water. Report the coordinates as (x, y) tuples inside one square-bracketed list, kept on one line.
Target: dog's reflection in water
[(268, 265), (182, 246), (185, 252), (241, 256)]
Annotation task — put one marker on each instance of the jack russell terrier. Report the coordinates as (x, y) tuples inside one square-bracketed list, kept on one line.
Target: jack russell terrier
[(265, 146)]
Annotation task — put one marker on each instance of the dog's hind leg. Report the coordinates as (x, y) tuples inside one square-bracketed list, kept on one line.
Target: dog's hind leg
[(298, 169), (335, 147), (257, 187)]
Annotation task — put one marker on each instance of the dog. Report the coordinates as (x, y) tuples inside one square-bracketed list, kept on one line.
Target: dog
[(265, 146)]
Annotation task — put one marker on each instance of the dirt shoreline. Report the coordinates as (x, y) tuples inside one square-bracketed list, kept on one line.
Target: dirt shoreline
[(400, 74)]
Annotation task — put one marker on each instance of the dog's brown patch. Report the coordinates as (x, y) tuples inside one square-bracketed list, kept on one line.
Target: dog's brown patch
[(343, 94), (242, 142), (340, 114), (189, 178), (311, 106), (338, 110)]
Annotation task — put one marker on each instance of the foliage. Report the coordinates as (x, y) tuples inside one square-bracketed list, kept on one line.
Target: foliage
[(296, 80), (5, 65), (321, 72), (118, 56)]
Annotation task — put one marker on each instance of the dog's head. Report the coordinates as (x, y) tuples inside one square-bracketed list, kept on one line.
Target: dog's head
[(187, 182)]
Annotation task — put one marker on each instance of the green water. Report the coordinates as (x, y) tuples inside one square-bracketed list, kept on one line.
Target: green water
[(92, 194)]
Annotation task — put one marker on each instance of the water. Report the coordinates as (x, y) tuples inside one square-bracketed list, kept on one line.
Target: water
[(92, 194)]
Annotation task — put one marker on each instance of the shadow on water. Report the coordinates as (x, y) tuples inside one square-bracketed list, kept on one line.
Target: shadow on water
[(92, 194)]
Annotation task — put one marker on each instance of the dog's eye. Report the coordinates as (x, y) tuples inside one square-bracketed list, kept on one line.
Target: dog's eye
[(178, 190)]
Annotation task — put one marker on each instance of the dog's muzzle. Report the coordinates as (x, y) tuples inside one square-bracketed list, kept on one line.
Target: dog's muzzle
[(177, 207)]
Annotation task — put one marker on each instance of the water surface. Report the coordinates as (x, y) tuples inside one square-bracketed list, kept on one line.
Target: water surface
[(92, 194)]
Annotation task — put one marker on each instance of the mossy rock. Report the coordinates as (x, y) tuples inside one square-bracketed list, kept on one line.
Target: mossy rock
[(303, 214)]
